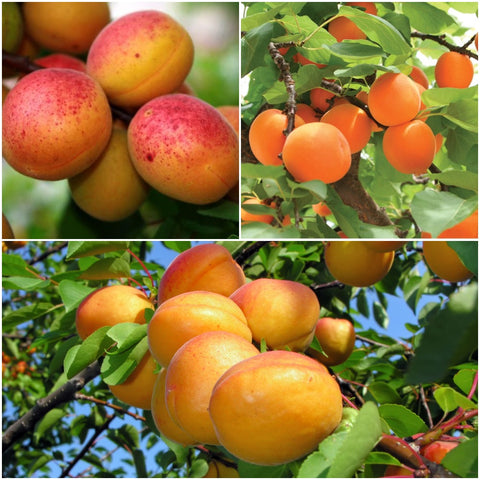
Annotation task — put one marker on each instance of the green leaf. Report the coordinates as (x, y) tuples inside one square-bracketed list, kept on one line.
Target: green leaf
[(257, 19), (380, 314), (25, 283), (126, 335), (26, 313), (72, 293), (457, 178), (468, 253), (226, 210), (107, 268), (14, 265), (449, 399), (384, 393), (435, 97), (435, 211), (249, 470), (77, 249), (251, 170), (316, 187), (178, 246), (117, 368), (401, 420), (199, 468), (80, 356), (426, 18), (464, 379), (378, 30), (140, 464), (463, 113), (463, 460), (356, 50), (450, 336), (49, 420), (360, 441)]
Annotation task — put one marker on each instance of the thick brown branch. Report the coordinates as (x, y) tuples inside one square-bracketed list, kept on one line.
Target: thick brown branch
[(440, 39), (63, 394), (245, 254), (352, 193)]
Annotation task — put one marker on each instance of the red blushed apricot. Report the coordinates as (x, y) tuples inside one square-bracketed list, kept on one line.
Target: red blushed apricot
[(453, 70), (140, 56), (342, 28), (109, 306), (281, 312), (353, 122), (266, 137), (275, 407), (393, 99), (61, 60), (418, 75), (68, 27), (409, 147), (56, 123), (189, 314), (319, 98), (184, 148), (317, 151), (208, 267)]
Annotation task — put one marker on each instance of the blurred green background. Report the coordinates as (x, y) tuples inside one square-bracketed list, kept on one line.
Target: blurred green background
[(39, 209)]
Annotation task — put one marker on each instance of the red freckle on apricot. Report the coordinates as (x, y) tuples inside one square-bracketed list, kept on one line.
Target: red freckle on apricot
[(149, 157)]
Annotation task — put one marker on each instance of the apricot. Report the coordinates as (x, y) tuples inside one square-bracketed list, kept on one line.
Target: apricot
[(305, 160), (418, 75), (436, 451), (110, 189), (444, 261), (266, 137), (302, 60), (393, 99), (337, 339), (209, 267), (410, 147), (283, 313), (353, 263), (192, 374), (140, 56), (342, 28), (369, 7), (184, 148), (453, 70), (321, 209), (232, 114), (12, 26), (321, 98), (161, 417), (307, 113), (248, 217), (7, 231), (218, 469), (189, 314), (275, 407), (363, 96), (56, 123), (137, 389), (466, 228), (68, 27), (353, 122), (61, 60), (110, 305), (385, 245)]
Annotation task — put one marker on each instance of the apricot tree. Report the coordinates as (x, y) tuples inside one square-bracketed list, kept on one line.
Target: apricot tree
[(397, 81), (103, 406)]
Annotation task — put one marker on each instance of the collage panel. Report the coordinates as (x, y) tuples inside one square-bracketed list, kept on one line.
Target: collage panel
[(141, 140), (252, 359), (359, 120)]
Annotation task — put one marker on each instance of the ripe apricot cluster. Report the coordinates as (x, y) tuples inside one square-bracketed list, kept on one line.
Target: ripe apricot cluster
[(206, 335), (57, 120)]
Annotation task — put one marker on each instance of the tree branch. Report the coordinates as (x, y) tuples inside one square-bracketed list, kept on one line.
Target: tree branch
[(49, 251), (440, 39), (63, 394), (246, 253)]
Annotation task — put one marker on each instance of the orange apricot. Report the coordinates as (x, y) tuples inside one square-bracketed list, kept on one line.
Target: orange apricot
[(137, 389), (319, 98), (385, 245), (255, 217), (307, 113), (321, 209), (410, 147), (209, 267), (189, 314), (342, 28), (266, 135), (317, 151), (299, 58), (369, 7), (418, 75), (231, 113), (393, 99), (444, 261), (467, 228), (109, 306), (353, 122), (453, 70)]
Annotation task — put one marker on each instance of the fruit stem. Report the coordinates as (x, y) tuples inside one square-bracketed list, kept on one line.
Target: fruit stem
[(144, 268)]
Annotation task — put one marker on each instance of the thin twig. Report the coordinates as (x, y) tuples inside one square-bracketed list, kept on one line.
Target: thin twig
[(81, 396), (440, 39), (245, 254)]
